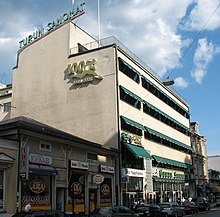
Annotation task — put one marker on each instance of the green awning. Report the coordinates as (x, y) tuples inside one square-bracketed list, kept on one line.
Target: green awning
[(163, 160), (165, 94), (133, 123), (130, 93), (138, 151), (162, 136), (131, 67), (165, 115), (168, 180)]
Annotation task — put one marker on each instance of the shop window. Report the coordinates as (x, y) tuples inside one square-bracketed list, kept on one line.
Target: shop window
[(45, 146), (37, 190)]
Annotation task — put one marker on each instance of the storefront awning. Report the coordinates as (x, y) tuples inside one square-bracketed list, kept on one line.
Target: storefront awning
[(138, 151), (42, 169), (133, 123), (216, 189), (163, 160)]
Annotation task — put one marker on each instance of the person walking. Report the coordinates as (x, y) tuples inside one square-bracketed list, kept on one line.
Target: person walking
[(27, 208)]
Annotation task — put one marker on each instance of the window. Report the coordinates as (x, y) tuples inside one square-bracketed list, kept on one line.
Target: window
[(92, 158), (45, 146), (129, 71), (128, 98), (7, 107)]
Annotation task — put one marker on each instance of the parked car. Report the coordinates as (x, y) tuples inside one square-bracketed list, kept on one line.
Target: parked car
[(113, 211), (202, 203), (45, 213), (152, 210), (172, 209), (190, 207)]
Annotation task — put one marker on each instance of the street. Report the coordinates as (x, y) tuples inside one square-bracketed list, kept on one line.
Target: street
[(214, 212)]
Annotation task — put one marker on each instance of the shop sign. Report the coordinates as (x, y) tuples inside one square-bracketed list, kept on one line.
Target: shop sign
[(40, 159), (84, 71), (66, 17), (107, 169), (134, 172), (98, 179), (79, 165), (37, 186), (77, 188), (171, 175)]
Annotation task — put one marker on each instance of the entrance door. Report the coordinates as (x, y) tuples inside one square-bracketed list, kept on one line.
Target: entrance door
[(92, 199)]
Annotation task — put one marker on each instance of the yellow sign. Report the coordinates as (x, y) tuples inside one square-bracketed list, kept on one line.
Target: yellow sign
[(83, 72)]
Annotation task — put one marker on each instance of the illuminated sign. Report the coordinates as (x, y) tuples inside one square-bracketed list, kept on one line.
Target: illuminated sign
[(66, 17), (83, 72), (40, 159), (107, 169), (98, 179), (79, 165)]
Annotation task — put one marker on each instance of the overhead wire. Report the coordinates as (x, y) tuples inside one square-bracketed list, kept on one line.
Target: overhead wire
[(194, 40)]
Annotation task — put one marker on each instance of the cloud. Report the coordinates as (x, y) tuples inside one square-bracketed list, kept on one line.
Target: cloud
[(203, 56), (204, 14), (181, 82)]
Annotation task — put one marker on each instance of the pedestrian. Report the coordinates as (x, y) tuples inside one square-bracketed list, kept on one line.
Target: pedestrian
[(27, 208)]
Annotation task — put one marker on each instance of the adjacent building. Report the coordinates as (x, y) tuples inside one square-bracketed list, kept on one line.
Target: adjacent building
[(200, 162)]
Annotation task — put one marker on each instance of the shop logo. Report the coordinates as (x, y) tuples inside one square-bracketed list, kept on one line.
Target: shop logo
[(98, 179), (77, 188), (37, 186), (83, 72), (105, 189)]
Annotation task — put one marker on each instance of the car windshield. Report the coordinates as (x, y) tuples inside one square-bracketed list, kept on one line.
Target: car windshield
[(103, 210)]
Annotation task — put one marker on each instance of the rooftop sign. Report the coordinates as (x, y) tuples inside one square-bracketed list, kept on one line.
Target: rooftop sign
[(66, 17)]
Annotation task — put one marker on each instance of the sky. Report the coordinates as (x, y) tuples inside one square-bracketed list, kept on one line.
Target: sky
[(177, 39)]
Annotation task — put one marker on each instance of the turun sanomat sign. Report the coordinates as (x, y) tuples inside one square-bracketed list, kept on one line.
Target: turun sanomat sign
[(66, 17)]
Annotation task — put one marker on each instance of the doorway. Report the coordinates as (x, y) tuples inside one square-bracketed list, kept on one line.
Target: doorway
[(92, 200)]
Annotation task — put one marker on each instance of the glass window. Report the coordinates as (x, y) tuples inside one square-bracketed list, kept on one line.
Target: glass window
[(7, 107)]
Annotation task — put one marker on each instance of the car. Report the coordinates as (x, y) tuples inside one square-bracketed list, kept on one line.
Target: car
[(43, 213), (190, 207), (113, 211), (152, 210), (172, 209), (202, 203)]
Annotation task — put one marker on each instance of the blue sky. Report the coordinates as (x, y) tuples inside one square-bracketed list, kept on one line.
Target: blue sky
[(175, 38)]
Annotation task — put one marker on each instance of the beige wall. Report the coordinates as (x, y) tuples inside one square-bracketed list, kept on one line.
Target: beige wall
[(147, 120), (42, 91)]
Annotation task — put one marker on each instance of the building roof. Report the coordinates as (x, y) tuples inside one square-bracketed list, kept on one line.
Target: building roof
[(9, 129)]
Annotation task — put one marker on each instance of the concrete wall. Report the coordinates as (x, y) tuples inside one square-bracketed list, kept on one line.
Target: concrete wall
[(43, 91)]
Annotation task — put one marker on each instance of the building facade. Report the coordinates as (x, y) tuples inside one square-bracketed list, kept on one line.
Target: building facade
[(214, 178), (52, 169), (104, 94), (200, 162)]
